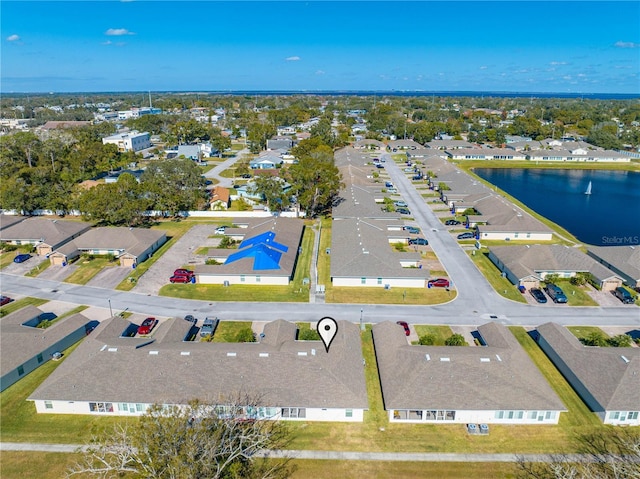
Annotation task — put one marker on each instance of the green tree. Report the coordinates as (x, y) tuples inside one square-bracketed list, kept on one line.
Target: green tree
[(620, 341), (594, 338), (455, 339), (174, 185), (315, 181), (427, 339), (213, 441), (257, 135), (271, 189)]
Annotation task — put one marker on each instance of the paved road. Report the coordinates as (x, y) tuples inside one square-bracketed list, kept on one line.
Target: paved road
[(453, 313), (324, 455), (226, 164)]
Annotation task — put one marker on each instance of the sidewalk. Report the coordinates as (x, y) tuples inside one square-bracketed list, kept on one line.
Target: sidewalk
[(323, 455)]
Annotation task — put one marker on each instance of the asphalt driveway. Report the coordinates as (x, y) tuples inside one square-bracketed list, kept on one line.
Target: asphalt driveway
[(180, 254)]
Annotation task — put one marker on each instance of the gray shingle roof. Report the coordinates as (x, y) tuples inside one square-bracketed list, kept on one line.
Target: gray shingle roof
[(273, 369), (499, 376), (133, 241), (526, 260), (624, 258), (361, 248), (20, 343), (613, 381), (288, 232), (51, 232)]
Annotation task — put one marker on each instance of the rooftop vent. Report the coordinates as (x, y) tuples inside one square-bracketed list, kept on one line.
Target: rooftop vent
[(302, 353), (485, 360), (231, 355), (112, 350), (185, 353), (428, 357), (625, 359), (445, 360), (153, 353), (498, 358), (264, 355)]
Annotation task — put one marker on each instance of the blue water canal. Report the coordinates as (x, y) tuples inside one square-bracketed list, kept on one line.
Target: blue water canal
[(609, 216)]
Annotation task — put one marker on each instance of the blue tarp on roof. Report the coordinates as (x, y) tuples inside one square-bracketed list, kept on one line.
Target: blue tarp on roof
[(266, 253)]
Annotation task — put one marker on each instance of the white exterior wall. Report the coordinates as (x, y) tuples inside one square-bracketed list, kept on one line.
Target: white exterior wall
[(248, 279), (82, 407), (485, 417), (501, 235), (373, 282), (615, 418)]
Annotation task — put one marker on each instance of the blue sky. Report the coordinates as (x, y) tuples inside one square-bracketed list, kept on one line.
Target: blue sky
[(511, 46)]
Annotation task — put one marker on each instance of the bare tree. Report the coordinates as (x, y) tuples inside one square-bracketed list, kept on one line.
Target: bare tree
[(200, 441), (607, 453)]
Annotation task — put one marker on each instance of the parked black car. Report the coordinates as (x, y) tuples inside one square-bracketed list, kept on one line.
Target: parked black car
[(451, 222), (465, 236), (418, 241), (555, 293), (623, 295), (538, 295), (403, 211)]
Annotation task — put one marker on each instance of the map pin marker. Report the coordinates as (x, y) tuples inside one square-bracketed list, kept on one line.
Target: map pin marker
[(327, 329)]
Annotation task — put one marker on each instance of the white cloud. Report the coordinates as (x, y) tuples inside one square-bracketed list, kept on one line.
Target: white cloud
[(320, 72), (118, 32), (483, 67), (620, 44), (13, 38), (108, 42), (558, 63), (292, 59)]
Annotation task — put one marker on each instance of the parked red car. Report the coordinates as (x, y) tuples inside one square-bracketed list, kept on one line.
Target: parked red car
[(404, 324), (147, 326), (439, 283), (180, 278), (183, 272), (5, 300)]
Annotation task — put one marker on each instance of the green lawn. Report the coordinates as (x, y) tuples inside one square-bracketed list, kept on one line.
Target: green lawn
[(6, 258), (88, 268), (502, 285), (578, 418), (39, 268), (21, 303), (441, 333), (227, 331), (581, 332), (20, 423), (576, 295)]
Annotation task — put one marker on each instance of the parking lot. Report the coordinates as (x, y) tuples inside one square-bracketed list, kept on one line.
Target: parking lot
[(180, 254)]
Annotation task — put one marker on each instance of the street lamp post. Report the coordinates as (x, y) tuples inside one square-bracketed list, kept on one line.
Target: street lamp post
[(110, 310), (361, 323)]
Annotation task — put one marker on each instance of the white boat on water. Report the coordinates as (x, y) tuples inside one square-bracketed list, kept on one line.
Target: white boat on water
[(588, 191)]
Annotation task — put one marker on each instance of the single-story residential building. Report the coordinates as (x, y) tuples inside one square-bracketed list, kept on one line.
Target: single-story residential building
[(527, 265), (362, 256), (292, 380), (131, 245), (606, 379), (44, 234), (267, 254), (280, 142), (486, 154), (268, 162), (115, 175), (497, 383), (7, 221), (25, 347), (622, 260), (367, 144)]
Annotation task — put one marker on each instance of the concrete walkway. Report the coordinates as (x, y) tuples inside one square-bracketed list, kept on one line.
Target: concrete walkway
[(322, 455)]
